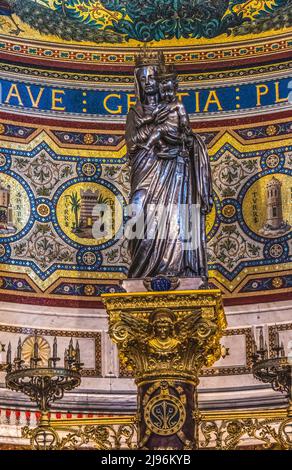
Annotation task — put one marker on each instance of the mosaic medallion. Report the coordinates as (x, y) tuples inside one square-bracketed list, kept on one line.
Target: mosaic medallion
[(89, 258), (14, 206), (267, 206), (272, 161), (228, 211), (88, 169), (89, 213), (276, 250), (43, 210)]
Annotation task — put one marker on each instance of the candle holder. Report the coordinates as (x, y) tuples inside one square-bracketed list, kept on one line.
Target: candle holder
[(277, 371), (44, 385)]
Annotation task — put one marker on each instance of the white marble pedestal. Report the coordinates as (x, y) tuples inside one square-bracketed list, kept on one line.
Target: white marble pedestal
[(185, 283)]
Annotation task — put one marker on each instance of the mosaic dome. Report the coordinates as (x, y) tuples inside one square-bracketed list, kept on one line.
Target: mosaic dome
[(67, 84), (126, 21)]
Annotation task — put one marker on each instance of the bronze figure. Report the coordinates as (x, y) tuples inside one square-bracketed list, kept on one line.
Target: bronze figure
[(171, 188)]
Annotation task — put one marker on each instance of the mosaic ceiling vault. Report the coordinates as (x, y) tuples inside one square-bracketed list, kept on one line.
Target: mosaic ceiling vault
[(121, 21)]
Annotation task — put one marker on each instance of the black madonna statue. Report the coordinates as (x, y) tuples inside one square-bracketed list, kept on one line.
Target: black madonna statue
[(171, 189)]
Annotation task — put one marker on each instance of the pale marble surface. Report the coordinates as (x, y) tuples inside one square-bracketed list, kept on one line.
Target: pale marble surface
[(110, 392), (137, 285)]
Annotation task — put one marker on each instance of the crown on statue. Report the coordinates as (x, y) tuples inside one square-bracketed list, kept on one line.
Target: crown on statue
[(148, 56), (167, 72)]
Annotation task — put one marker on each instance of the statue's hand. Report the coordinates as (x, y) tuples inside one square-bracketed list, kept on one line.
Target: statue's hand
[(139, 121), (188, 139), (188, 131), (162, 114), (206, 208)]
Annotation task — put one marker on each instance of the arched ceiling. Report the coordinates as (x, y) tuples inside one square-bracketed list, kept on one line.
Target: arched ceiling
[(127, 23)]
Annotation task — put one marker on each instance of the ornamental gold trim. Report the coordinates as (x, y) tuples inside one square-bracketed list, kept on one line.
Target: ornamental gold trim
[(213, 415)]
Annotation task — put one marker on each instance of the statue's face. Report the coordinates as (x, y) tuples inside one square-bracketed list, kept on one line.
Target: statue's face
[(168, 91), (162, 329), (147, 79)]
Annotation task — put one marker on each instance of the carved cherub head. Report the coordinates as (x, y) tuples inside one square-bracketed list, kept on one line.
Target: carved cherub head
[(163, 322)]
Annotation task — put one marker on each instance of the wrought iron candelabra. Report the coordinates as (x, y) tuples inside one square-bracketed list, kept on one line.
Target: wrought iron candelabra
[(43, 384), (275, 368), (261, 429)]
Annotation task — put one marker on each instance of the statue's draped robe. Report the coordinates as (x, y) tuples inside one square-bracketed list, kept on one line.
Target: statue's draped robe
[(172, 183)]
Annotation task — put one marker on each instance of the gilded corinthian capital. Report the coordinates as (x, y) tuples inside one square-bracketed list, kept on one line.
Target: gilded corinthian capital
[(163, 333)]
